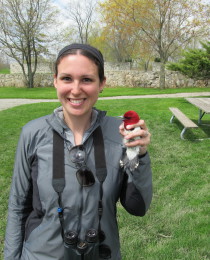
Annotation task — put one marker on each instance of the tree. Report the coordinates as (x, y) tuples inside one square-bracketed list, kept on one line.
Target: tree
[(119, 42), (81, 14), (164, 24), (23, 26), (195, 63)]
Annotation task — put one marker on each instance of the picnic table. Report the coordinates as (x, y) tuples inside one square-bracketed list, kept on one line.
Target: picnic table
[(203, 104)]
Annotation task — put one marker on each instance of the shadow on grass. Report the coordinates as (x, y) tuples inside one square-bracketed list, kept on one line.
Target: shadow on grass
[(205, 127), (202, 133)]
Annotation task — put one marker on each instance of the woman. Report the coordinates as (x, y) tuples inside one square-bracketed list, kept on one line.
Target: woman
[(67, 176)]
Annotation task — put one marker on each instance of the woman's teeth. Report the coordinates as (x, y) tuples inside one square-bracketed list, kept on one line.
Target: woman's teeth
[(76, 101)]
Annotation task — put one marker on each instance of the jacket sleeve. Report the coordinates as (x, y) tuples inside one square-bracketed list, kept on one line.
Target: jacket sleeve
[(19, 202), (136, 194)]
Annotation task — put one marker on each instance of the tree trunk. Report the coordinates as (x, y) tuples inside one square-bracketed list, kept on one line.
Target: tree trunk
[(30, 76), (162, 82), (146, 65), (30, 81)]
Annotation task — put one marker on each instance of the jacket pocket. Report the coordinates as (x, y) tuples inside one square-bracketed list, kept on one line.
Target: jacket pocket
[(34, 220)]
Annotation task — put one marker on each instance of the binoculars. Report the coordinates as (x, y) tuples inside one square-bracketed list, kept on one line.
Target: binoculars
[(75, 249)]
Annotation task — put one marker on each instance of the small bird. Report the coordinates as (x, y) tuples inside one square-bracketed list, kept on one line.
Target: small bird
[(130, 157)]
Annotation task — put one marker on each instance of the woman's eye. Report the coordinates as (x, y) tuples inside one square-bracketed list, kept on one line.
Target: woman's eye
[(66, 78), (87, 80)]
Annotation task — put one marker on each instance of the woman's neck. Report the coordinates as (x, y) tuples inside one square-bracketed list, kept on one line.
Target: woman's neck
[(78, 126)]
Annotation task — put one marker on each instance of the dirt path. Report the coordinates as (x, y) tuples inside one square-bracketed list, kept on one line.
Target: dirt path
[(8, 103)]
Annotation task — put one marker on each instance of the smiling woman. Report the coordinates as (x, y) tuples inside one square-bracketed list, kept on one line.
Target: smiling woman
[(78, 79), (67, 171)]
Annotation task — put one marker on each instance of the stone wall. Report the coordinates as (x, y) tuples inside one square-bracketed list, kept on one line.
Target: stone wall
[(15, 68), (42, 68), (150, 79), (9, 80), (17, 80), (127, 78), (116, 66)]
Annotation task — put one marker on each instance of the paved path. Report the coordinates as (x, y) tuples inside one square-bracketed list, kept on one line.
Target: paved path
[(8, 103)]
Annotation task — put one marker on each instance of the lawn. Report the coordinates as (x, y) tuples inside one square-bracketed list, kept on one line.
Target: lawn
[(176, 225), (50, 93), (5, 71)]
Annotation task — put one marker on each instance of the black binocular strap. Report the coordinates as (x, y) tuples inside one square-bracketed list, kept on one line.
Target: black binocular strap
[(100, 164), (58, 181)]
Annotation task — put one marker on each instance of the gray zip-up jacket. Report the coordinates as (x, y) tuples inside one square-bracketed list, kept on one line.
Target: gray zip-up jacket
[(33, 228)]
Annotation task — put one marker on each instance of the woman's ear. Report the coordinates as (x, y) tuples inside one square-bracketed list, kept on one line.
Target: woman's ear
[(55, 81), (102, 84)]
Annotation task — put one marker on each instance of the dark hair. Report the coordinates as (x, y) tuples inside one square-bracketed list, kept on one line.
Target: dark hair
[(85, 50)]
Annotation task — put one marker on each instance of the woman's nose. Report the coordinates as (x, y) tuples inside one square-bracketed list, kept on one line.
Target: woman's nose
[(76, 88)]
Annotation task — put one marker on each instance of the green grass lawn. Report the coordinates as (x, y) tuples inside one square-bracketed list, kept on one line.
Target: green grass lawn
[(5, 71), (176, 225), (50, 93)]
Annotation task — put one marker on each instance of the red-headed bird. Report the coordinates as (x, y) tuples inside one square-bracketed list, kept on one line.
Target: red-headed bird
[(130, 158)]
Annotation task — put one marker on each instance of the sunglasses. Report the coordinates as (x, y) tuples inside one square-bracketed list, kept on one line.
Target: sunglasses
[(84, 175)]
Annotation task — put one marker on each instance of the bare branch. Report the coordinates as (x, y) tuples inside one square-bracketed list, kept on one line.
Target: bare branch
[(82, 15)]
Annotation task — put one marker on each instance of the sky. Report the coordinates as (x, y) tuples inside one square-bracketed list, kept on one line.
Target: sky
[(62, 6), (61, 3)]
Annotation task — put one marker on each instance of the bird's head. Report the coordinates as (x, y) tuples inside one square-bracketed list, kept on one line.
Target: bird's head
[(130, 118)]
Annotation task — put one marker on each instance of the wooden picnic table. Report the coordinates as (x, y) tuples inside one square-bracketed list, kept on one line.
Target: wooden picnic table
[(203, 104)]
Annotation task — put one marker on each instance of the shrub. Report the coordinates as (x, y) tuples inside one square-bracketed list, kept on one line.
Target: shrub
[(195, 63)]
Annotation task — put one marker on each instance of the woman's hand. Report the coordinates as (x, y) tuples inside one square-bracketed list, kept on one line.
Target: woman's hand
[(139, 136)]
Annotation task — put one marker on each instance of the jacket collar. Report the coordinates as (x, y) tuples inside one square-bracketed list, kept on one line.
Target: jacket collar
[(56, 121)]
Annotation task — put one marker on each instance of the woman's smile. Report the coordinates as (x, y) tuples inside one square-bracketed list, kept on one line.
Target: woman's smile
[(76, 101)]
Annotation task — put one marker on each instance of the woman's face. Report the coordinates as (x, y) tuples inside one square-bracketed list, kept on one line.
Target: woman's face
[(78, 85)]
